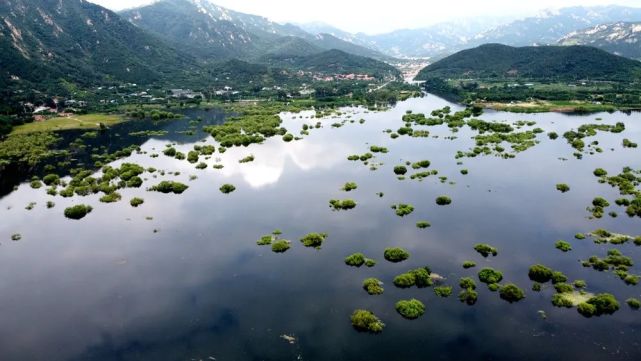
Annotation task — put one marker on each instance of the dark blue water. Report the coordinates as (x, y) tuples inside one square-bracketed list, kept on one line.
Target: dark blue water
[(191, 283)]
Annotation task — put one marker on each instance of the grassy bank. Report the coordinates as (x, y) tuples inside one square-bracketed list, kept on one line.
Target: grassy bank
[(88, 121)]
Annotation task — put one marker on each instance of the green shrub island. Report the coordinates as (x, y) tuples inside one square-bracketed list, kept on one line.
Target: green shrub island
[(170, 187), (563, 246), (634, 303), (511, 293), (423, 224), (402, 209), (490, 276), (485, 250), (469, 264), (396, 254), (601, 304), (373, 286), (443, 291), (78, 211), (420, 277), (280, 246), (227, 188), (341, 205), (366, 321), (443, 200), (359, 259), (349, 186), (562, 187), (313, 239), (410, 309)]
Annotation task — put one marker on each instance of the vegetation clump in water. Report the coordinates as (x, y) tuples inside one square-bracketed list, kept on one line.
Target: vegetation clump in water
[(396, 254), (563, 245), (601, 304), (366, 321), (540, 273), (410, 309), (339, 205), (373, 286), (170, 187), (280, 246), (420, 277), (314, 239), (349, 186), (562, 187), (485, 250), (490, 276), (511, 293), (403, 209), (227, 188), (78, 211), (443, 200), (443, 291), (423, 224)]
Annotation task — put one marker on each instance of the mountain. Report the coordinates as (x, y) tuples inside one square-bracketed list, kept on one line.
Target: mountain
[(432, 41), (550, 26), (533, 63), (335, 62), (216, 33), (81, 42), (619, 38)]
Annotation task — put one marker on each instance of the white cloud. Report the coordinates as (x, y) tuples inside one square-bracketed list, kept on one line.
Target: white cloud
[(366, 16)]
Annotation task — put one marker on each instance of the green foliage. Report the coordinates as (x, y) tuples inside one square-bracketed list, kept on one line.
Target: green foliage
[(443, 200), (562, 187), (443, 291), (467, 283), (604, 304), (403, 210), (288, 137), (227, 188), (634, 303), (373, 286), (355, 260), (400, 170), (265, 240), (469, 264), (563, 246), (511, 293), (345, 204), (410, 309), (280, 246), (485, 249), (135, 202), (366, 321), (468, 296), (78, 211), (170, 187), (349, 186), (423, 224), (314, 239), (396, 254), (489, 275), (540, 273), (111, 197)]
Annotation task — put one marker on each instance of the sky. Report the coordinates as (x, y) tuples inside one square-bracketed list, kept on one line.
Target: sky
[(366, 16)]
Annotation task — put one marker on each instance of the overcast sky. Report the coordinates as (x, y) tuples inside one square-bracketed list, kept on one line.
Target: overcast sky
[(369, 17)]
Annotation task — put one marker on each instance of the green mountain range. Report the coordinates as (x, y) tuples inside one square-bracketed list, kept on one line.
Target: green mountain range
[(495, 61)]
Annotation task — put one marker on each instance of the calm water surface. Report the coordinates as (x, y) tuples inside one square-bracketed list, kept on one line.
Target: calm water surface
[(191, 283)]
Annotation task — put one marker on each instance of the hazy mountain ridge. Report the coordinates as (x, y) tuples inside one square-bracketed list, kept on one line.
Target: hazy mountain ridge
[(622, 38)]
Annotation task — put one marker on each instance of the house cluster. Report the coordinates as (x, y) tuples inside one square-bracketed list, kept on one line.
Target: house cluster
[(185, 94), (363, 77)]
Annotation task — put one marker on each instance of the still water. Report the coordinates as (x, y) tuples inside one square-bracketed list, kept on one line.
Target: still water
[(181, 277)]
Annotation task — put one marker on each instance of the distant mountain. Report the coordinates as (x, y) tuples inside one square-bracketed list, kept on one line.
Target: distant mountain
[(533, 63), (433, 41), (216, 33), (335, 62), (550, 26), (43, 40), (619, 38)]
